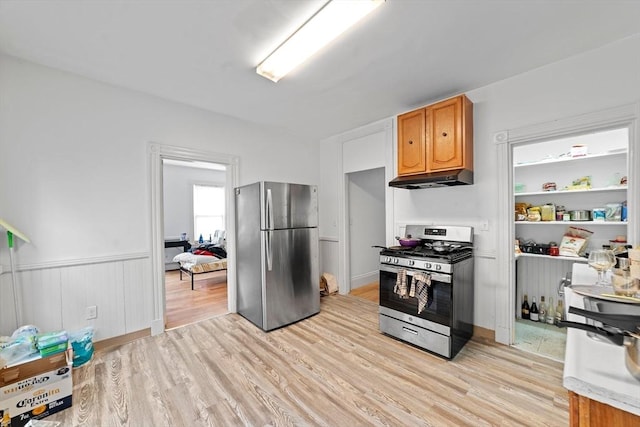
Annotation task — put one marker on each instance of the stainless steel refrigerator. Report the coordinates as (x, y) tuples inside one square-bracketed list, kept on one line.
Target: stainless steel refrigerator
[(277, 270)]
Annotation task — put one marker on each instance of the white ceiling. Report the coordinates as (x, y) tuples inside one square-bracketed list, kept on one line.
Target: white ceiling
[(405, 54)]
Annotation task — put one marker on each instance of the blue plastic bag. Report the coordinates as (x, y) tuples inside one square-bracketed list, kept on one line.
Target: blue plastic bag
[(82, 343)]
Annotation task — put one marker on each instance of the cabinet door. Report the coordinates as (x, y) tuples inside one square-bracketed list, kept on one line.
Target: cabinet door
[(584, 412), (411, 142), (446, 148)]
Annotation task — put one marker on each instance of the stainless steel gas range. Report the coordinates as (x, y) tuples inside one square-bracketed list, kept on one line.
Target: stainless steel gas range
[(426, 292)]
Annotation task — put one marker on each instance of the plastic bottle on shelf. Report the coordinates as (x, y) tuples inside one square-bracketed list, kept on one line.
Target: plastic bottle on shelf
[(200, 240)]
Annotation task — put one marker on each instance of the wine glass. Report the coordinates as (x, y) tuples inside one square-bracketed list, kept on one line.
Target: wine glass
[(601, 260)]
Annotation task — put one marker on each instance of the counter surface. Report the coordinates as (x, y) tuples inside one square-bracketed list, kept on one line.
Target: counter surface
[(596, 369)]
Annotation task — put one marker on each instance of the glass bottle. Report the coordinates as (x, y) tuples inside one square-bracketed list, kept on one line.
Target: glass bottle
[(525, 308), (534, 315), (559, 312), (551, 313), (542, 310)]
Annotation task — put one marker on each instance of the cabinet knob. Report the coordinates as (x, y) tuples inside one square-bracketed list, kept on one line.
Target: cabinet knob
[(410, 142), (444, 134)]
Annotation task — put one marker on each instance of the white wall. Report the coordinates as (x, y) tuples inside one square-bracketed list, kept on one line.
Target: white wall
[(603, 78), (366, 224), (74, 178), (177, 183)]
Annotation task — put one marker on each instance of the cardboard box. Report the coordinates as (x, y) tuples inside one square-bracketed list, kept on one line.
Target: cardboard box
[(36, 388), (35, 366), (37, 381), (39, 402)]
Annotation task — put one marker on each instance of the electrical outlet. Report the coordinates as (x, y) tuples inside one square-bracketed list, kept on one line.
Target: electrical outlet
[(92, 312)]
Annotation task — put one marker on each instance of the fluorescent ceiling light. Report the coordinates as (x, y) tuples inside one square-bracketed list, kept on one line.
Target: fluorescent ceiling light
[(329, 22)]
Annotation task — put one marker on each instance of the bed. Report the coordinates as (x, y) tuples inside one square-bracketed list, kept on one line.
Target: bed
[(192, 264)]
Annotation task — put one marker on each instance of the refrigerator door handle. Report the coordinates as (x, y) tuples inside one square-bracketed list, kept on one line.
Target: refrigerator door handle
[(269, 210), (269, 254)]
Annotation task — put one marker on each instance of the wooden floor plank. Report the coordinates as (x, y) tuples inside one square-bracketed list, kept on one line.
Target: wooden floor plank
[(334, 368), (185, 306)]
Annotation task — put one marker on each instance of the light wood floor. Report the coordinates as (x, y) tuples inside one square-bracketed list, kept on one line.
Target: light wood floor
[(207, 299), (332, 369), (370, 292)]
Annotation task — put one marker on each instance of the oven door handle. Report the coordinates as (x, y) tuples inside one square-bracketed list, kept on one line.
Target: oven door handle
[(437, 277)]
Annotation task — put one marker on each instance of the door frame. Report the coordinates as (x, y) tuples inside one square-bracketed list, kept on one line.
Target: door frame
[(156, 153), (618, 117), (352, 142)]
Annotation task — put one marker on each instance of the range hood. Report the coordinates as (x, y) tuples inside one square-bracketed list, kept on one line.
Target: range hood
[(434, 179)]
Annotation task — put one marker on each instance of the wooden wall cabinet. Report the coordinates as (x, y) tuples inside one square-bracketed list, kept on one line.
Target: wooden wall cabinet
[(438, 137)]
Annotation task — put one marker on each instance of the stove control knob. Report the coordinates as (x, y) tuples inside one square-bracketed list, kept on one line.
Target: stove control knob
[(396, 260), (438, 267), (411, 262), (387, 259), (427, 265)]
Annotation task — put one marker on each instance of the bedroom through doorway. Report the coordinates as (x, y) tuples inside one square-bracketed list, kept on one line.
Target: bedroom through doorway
[(194, 212)]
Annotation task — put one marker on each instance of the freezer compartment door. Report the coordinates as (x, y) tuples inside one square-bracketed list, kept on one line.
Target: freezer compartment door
[(291, 290), (288, 206)]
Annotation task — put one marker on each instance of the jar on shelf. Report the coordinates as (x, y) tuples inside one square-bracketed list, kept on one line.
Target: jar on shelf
[(548, 212), (559, 213)]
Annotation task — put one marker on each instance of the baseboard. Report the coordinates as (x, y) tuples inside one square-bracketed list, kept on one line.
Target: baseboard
[(121, 339), (364, 279), (157, 326), (484, 333)]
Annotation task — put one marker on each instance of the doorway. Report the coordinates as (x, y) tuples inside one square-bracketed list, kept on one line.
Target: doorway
[(157, 155), (194, 211), (366, 206), (615, 118), (588, 171)]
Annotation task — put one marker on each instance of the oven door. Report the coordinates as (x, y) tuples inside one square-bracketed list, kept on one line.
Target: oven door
[(438, 308)]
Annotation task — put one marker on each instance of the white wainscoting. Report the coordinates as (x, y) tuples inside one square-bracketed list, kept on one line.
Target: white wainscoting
[(539, 276), (56, 296)]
